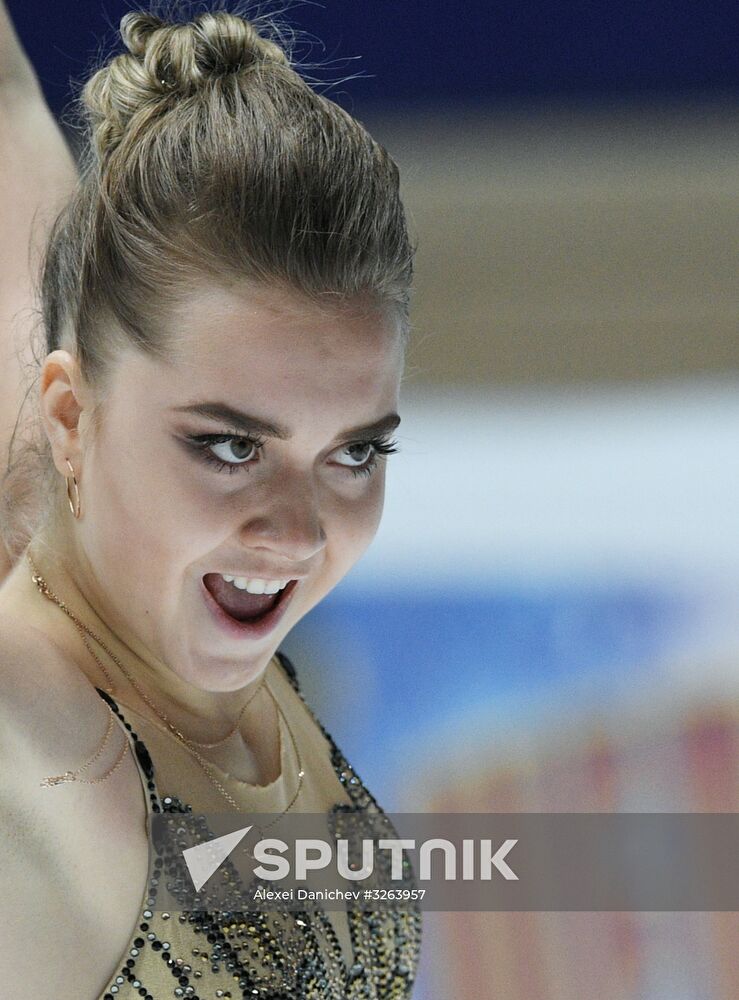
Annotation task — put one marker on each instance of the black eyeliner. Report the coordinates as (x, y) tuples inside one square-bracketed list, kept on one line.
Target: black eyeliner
[(199, 446)]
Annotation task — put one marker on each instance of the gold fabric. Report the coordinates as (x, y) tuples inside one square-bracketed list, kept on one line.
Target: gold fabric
[(374, 955)]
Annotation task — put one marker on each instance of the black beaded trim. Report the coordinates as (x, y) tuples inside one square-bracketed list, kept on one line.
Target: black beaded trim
[(298, 972), (289, 669), (126, 973), (142, 753), (408, 923)]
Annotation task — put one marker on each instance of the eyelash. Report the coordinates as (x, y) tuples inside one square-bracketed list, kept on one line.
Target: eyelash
[(203, 442)]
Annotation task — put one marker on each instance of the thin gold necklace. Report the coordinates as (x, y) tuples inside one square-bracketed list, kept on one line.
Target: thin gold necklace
[(82, 629), (58, 779), (48, 593)]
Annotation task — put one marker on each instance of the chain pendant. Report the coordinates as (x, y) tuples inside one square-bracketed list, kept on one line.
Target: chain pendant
[(57, 779)]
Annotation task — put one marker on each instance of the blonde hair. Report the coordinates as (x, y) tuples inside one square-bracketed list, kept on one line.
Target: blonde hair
[(209, 156)]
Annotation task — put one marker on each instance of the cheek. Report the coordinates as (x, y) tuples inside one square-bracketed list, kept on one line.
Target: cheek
[(358, 520), (143, 514)]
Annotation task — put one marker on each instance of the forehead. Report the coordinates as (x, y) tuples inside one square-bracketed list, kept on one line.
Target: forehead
[(278, 352), (273, 338)]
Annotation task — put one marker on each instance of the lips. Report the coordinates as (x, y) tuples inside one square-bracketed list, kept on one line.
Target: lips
[(264, 611), (239, 604)]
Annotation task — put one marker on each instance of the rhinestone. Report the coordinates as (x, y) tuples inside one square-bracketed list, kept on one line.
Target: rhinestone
[(259, 952)]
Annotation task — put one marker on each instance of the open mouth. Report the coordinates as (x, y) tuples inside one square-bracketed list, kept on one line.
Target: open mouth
[(240, 608), (238, 602)]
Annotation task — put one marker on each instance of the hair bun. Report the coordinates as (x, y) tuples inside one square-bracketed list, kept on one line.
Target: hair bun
[(165, 59), (183, 56), (136, 29)]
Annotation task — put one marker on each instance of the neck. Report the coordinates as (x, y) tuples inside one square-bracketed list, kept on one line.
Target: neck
[(65, 568)]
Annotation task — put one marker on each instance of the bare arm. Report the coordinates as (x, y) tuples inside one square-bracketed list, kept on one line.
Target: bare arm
[(14, 64), (37, 173)]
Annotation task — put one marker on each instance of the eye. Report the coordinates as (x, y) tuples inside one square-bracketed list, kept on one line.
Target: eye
[(234, 450), (360, 457), (355, 454), (227, 452)]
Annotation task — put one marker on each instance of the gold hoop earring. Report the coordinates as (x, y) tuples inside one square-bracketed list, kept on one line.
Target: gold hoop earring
[(74, 503)]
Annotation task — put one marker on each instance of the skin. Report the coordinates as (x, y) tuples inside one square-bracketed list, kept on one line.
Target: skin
[(154, 520), (37, 174), (156, 516)]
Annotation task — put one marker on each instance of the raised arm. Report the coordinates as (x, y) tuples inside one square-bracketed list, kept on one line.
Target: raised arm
[(37, 172)]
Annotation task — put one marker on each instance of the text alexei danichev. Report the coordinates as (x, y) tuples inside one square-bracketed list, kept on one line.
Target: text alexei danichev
[(283, 895)]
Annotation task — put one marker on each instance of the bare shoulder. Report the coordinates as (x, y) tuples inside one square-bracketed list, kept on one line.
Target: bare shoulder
[(73, 859), (42, 693)]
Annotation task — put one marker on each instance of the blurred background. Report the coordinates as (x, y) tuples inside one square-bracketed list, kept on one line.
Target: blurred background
[(549, 617)]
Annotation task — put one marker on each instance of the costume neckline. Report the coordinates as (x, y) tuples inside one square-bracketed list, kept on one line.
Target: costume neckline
[(288, 760)]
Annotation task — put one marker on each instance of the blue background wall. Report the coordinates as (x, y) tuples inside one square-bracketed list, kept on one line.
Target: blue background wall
[(418, 52)]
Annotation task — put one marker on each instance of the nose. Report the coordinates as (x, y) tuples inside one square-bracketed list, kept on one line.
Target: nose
[(289, 525)]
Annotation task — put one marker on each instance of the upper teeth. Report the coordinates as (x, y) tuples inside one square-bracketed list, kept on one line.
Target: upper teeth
[(256, 586)]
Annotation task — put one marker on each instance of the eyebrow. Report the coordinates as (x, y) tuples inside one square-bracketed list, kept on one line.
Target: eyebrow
[(255, 425)]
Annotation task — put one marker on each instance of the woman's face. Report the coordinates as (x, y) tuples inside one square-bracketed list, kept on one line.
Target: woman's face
[(252, 454)]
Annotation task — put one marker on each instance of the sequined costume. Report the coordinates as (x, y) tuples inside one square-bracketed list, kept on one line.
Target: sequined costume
[(289, 955)]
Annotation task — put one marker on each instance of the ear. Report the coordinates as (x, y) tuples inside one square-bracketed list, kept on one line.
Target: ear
[(62, 401)]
